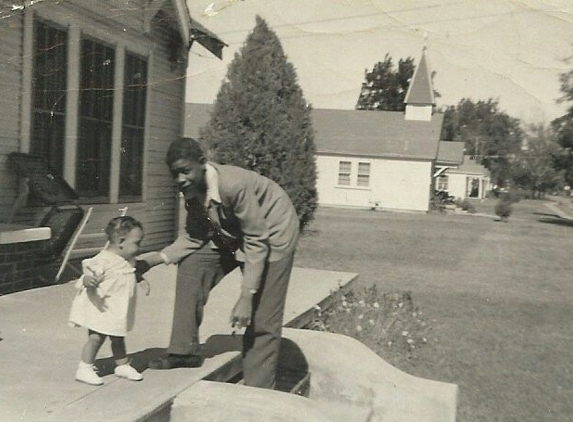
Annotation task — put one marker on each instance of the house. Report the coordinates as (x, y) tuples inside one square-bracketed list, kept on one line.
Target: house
[(468, 179), (380, 159), (371, 159), (97, 88)]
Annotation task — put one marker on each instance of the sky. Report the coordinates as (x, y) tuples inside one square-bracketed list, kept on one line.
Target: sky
[(511, 51)]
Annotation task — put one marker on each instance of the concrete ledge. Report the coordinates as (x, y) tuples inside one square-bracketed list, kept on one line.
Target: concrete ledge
[(347, 376)]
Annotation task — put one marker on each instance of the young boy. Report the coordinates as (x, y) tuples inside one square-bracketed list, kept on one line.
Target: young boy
[(234, 217)]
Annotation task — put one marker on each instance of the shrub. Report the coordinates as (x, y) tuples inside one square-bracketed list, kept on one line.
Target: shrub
[(466, 205), (503, 209)]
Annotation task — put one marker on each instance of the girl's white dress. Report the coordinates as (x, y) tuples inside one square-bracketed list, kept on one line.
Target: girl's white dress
[(109, 308)]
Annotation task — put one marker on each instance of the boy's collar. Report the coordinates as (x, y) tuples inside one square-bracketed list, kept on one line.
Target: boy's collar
[(212, 182)]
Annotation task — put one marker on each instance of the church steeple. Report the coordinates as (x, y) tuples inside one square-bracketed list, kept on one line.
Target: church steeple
[(420, 96)]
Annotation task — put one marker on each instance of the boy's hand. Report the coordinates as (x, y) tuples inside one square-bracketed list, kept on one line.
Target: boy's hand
[(242, 311), (90, 281), (141, 267)]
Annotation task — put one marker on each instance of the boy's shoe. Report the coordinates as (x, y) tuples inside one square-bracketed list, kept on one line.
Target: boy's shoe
[(128, 372), (171, 361), (86, 373)]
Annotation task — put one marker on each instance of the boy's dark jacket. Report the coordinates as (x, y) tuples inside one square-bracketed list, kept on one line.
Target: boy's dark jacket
[(243, 210)]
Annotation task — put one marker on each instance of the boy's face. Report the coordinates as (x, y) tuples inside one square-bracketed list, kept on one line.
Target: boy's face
[(190, 177), (130, 243)]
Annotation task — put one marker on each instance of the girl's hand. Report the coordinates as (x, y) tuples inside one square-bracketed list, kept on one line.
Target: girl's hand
[(90, 281)]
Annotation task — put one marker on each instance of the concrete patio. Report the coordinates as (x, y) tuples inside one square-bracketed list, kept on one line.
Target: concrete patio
[(39, 352)]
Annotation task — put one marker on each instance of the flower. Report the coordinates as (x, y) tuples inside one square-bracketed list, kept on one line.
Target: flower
[(359, 328), (376, 305), (371, 321), (405, 333), (362, 303), (360, 316)]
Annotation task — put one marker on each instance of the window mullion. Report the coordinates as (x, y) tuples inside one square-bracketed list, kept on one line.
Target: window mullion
[(72, 105), (117, 122)]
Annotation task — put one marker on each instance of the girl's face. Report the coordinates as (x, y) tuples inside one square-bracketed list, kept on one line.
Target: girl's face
[(190, 177), (129, 245)]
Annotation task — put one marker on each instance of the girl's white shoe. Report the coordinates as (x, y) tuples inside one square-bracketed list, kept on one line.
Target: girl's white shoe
[(128, 372), (86, 373)]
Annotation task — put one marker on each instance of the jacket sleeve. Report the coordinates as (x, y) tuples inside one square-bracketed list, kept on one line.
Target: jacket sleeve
[(182, 246), (255, 235)]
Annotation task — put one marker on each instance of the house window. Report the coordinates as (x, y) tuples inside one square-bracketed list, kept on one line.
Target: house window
[(95, 118), (442, 183), (133, 125), (49, 94), (363, 177), (344, 168), (75, 120)]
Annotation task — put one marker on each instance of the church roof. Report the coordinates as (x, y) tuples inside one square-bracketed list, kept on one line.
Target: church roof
[(421, 90), (355, 132), (375, 134)]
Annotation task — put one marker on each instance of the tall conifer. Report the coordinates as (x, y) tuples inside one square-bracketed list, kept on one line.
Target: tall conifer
[(261, 121)]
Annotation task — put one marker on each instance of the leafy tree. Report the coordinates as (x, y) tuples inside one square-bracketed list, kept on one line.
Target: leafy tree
[(534, 168), (563, 127), (489, 134), (385, 87), (261, 121)]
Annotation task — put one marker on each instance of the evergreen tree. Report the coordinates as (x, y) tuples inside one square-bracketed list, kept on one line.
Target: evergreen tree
[(385, 87), (261, 121)]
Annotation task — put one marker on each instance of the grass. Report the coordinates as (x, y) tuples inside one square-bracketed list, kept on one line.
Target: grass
[(497, 300)]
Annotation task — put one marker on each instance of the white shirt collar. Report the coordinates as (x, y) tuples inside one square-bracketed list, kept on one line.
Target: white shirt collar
[(212, 181)]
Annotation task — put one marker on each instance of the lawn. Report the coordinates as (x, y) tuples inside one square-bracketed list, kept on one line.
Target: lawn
[(497, 297)]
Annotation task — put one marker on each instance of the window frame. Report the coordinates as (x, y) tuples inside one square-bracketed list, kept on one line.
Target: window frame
[(123, 43), (353, 173), (440, 185), (359, 174), (344, 173)]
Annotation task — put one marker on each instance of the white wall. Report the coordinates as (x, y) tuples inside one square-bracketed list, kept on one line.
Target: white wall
[(394, 184), (457, 185)]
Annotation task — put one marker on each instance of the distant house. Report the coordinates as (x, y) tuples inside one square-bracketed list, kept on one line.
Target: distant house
[(371, 159), (97, 88), (467, 180)]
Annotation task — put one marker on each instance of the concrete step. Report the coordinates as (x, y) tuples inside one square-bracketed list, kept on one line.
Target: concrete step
[(218, 402)]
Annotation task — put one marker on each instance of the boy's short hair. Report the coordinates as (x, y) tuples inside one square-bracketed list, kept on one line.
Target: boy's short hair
[(184, 149), (120, 226)]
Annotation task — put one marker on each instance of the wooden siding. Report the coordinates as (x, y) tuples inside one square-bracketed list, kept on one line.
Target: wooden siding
[(124, 22)]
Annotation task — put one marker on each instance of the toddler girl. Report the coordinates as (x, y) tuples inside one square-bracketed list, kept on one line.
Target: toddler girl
[(105, 304)]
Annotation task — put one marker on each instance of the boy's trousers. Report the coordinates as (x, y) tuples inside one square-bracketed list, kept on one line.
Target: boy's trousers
[(197, 274)]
